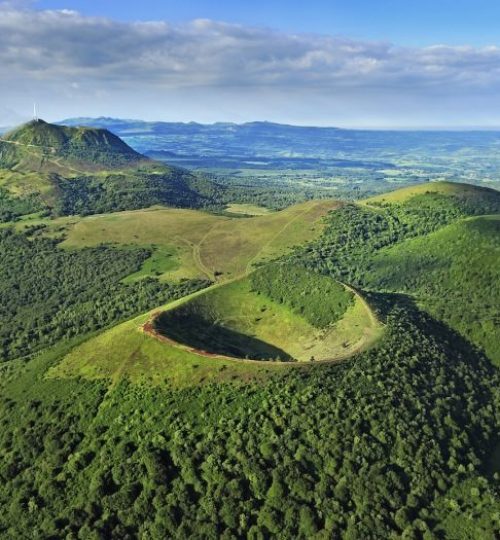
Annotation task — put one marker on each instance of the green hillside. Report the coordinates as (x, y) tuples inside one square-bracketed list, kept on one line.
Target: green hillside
[(427, 246), (134, 407), (467, 191), (47, 147), (68, 293), (66, 170), (454, 273), (226, 333)]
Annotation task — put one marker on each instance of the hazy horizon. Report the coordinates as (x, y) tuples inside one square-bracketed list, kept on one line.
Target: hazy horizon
[(258, 121), (351, 65)]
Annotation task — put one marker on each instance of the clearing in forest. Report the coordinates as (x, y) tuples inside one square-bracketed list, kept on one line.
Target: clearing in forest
[(202, 244)]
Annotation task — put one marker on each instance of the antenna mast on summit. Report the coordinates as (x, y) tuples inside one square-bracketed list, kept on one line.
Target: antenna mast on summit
[(35, 113)]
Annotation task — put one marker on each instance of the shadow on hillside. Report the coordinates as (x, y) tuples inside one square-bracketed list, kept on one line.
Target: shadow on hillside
[(459, 351), (199, 333), (385, 304)]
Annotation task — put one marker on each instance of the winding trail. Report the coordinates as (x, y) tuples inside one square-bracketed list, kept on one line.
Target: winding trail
[(53, 149), (273, 239), (197, 247)]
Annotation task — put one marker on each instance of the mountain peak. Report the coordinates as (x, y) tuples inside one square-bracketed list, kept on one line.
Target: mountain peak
[(41, 146)]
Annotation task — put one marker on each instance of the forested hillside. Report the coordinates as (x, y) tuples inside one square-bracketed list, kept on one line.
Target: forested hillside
[(428, 247), (394, 443), (454, 273), (67, 170), (317, 298), (48, 294), (43, 145), (398, 441)]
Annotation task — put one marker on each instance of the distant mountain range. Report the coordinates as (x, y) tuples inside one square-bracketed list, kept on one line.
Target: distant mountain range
[(269, 139)]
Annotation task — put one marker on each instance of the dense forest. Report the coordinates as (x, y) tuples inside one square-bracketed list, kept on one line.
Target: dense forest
[(126, 191), (391, 444), (401, 441), (48, 294), (11, 208), (320, 300)]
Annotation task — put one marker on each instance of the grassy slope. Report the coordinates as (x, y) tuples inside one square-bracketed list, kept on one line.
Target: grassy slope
[(204, 243), (255, 317), (247, 209), (445, 188), (126, 351), (22, 184), (454, 273)]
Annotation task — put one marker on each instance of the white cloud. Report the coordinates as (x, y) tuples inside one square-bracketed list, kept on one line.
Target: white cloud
[(74, 56)]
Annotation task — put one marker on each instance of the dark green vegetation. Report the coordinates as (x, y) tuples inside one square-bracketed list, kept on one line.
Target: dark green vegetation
[(405, 247), (320, 300), (401, 441), (88, 171), (454, 273), (12, 207), (392, 443), (37, 144), (118, 191), (48, 294)]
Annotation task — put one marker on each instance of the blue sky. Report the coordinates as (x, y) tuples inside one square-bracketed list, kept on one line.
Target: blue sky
[(350, 63), (405, 22)]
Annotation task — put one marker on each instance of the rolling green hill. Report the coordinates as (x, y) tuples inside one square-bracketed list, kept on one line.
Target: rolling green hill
[(467, 191), (67, 170), (50, 148), (128, 408), (454, 273), (428, 244)]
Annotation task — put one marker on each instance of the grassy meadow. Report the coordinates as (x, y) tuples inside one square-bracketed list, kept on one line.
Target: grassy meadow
[(247, 209), (199, 244), (253, 323), (402, 195)]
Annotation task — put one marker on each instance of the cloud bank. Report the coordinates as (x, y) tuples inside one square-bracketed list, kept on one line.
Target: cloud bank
[(84, 65)]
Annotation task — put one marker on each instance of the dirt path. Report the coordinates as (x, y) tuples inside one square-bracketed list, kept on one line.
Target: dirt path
[(373, 318), (273, 239), (196, 252), (55, 161), (28, 145)]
